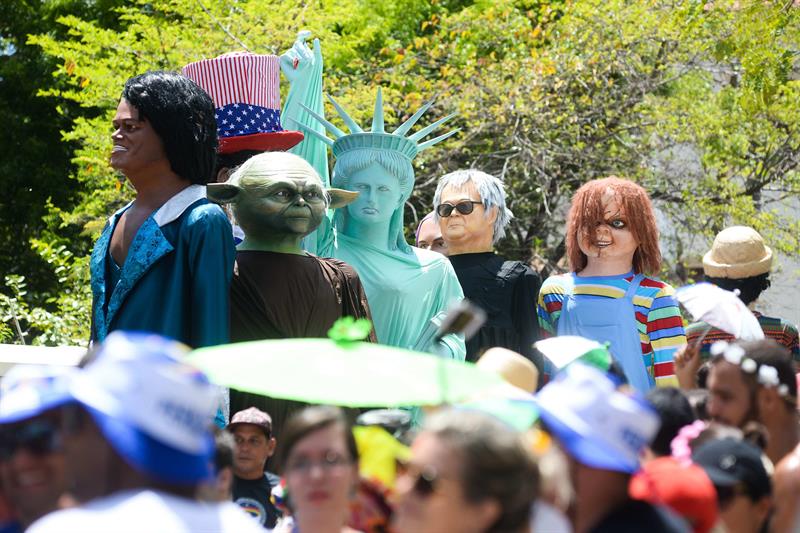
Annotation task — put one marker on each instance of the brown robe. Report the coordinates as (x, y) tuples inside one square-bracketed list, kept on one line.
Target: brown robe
[(279, 296)]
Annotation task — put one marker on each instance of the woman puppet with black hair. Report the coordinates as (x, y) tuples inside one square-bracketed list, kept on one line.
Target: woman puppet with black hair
[(164, 261)]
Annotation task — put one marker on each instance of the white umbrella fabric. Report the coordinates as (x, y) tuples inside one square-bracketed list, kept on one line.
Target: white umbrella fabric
[(720, 309)]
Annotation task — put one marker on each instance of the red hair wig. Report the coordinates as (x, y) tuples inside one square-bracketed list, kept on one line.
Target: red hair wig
[(587, 212)]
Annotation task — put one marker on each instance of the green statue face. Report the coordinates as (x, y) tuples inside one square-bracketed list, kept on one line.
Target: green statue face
[(277, 199), (379, 195)]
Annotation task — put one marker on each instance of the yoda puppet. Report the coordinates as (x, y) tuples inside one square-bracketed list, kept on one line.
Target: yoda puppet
[(278, 290)]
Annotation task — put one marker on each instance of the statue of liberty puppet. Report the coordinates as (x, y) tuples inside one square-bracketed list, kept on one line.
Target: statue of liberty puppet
[(409, 289)]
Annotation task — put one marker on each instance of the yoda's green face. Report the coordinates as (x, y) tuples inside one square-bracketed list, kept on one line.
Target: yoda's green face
[(287, 204), (274, 204)]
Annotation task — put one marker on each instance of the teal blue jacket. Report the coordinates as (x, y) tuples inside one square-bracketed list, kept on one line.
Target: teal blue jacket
[(176, 276)]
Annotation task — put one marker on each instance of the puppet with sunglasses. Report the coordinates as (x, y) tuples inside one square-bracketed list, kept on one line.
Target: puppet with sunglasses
[(610, 294), (472, 215)]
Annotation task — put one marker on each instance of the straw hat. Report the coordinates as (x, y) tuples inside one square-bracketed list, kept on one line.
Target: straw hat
[(737, 252), (512, 367)]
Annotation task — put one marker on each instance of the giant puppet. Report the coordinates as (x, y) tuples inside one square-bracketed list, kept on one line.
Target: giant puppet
[(610, 294), (163, 262), (472, 215), (409, 289), (278, 290), (277, 199)]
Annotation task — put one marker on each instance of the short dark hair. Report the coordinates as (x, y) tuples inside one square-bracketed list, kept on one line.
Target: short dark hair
[(769, 352), (675, 412), (749, 288), (182, 115), (495, 463), (307, 421), (233, 160)]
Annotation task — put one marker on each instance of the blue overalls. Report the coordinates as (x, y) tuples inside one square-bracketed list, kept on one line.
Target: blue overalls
[(611, 320)]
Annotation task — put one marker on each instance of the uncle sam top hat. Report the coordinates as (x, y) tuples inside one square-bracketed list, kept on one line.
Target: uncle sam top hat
[(246, 94)]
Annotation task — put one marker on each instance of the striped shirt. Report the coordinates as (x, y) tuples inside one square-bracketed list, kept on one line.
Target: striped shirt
[(658, 316), (776, 329)]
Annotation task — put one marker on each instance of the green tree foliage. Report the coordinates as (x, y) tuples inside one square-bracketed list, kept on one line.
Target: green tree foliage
[(697, 100), (65, 318), (35, 160)]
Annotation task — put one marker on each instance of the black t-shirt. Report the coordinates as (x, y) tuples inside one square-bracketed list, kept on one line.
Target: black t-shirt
[(252, 495), (507, 291), (635, 516)]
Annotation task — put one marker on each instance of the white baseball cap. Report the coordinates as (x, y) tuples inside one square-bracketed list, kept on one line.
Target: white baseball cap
[(598, 426), (155, 410)]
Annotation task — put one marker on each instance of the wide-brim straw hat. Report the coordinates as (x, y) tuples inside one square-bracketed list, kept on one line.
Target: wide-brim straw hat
[(738, 252), (512, 367)]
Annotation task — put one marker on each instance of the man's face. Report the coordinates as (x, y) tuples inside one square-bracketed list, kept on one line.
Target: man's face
[(730, 400), (87, 454), (379, 195), (32, 466), (291, 204), (460, 228), (137, 147), (430, 237), (253, 448)]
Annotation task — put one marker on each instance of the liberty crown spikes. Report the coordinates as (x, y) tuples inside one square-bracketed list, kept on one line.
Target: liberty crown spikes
[(377, 138)]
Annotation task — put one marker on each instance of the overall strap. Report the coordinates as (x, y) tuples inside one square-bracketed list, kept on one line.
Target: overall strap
[(635, 282)]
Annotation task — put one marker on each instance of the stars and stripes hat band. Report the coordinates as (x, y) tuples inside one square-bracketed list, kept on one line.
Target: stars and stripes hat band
[(245, 88)]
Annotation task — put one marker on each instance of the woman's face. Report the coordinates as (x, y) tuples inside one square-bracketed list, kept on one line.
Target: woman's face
[(613, 239), (379, 195), (320, 475), (430, 495)]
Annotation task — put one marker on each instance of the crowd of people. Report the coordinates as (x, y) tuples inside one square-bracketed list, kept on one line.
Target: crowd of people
[(667, 424)]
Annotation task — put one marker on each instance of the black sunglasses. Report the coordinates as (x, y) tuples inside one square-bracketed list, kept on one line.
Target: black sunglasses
[(465, 208), (41, 437)]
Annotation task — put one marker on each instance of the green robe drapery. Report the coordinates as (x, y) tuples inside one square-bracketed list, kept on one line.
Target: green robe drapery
[(408, 294)]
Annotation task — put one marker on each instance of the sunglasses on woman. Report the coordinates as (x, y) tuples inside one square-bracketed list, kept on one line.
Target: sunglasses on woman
[(40, 437), (464, 207)]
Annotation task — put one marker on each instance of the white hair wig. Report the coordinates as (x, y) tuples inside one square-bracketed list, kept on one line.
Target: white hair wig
[(492, 193)]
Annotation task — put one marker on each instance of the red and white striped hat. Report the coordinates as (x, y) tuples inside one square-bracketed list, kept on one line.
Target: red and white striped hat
[(245, 88)]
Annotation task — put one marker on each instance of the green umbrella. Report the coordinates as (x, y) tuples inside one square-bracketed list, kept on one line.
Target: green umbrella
[(346, 373)]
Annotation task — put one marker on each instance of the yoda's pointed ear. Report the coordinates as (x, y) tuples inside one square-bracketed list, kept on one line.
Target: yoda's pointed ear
[(223, 193), (341, 197)]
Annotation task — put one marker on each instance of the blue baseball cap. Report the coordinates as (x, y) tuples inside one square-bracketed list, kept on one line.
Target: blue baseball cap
[(154, 409), (598, 426), (27, 391)]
